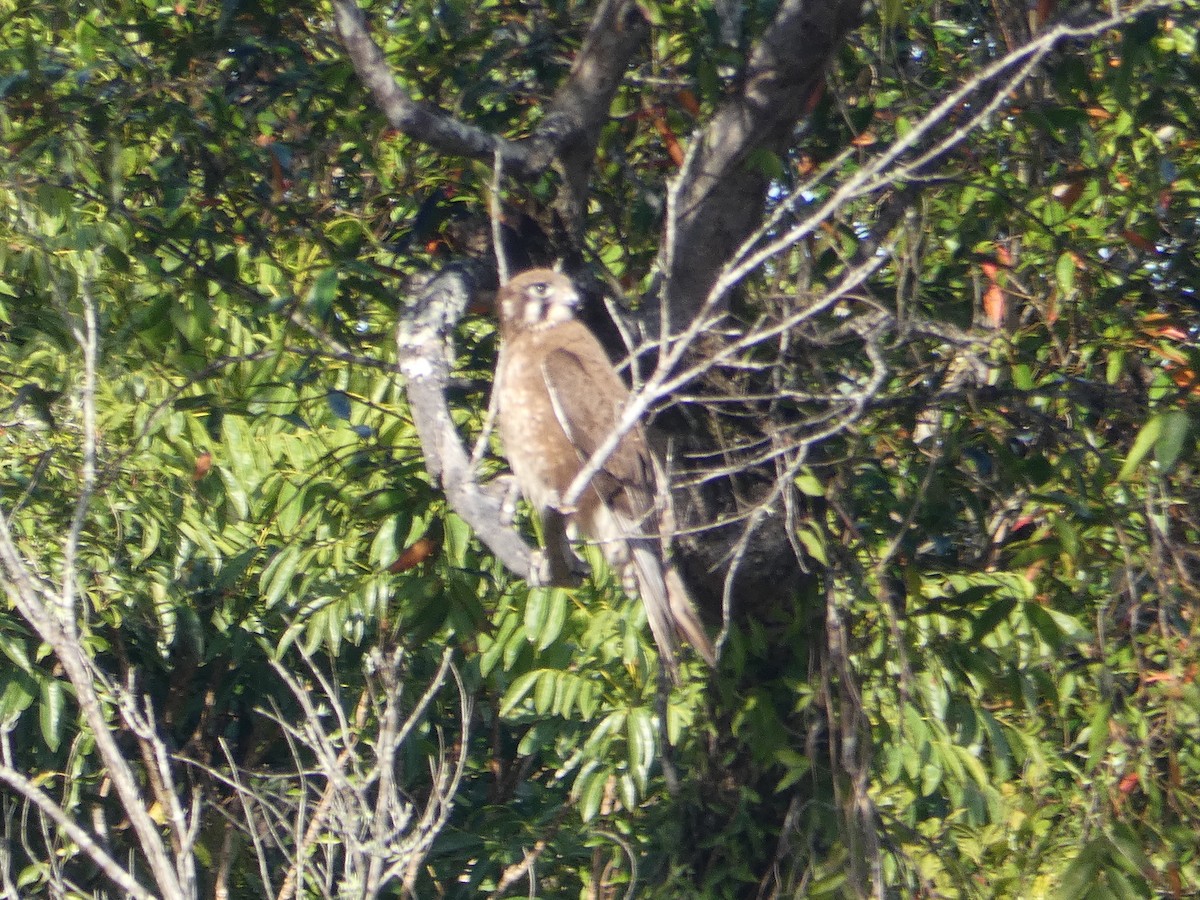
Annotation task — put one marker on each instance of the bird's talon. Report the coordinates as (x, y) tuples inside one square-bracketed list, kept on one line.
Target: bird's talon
[(544, 573)]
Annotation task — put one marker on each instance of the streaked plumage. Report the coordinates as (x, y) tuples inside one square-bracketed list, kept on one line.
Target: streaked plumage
[(559, 398)]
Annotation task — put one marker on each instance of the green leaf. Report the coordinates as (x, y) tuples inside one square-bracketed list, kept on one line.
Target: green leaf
[(641, 744), (492, 652), (1146, 438), (1098, 736), (767, 162), (1176, 428), (51, 712), (1129, 850), (544, 692), (590, 787), (517, 691), (808, 483), (1056, 628), (1116, 365), (514, 649), (602, 734), (16, 697), (323, 293), (238, 445), (931, 777), (990, 618), (1064, 272), (290, 509), (276, 579), (556, 616), (13, 647), (589, 700), (797, 765), (151, 535), (383, 547), (537, 611), (1080, 876), (813, 539), (235, 493), (568, 688)]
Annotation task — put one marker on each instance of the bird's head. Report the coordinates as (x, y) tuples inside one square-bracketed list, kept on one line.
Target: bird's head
[(535, 299)]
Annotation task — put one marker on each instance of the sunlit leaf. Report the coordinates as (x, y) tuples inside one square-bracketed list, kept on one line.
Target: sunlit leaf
[(52, 711), (1146, 438), (1173, 439)]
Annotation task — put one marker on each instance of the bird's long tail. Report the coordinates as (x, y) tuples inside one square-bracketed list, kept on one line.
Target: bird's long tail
[(683, 612), (652, 588), (669, 608)]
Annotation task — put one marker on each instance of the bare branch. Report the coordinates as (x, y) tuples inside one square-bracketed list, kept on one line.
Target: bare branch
[(423, 338), (568, 132), (88, 341), (710, 209), (364, 824), (427, 124), (446, 782), (34, 600), (496, 215), (718, 197), (76, 832), (885, 169), (663, 383), (248, 800), (518, 870)]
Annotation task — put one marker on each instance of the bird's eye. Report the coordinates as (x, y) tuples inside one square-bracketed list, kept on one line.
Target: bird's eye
[(540, 288)]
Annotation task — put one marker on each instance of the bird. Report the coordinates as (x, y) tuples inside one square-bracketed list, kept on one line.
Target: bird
[(558, 398)]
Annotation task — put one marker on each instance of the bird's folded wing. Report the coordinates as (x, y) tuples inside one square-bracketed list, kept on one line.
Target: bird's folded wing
[(588, 397)]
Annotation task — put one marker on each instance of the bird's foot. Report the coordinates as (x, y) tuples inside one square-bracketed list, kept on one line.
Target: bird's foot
[(549, 570)]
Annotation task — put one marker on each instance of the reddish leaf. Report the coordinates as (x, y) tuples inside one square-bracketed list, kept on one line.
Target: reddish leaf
[(420, 550), (1137, 241), (202, 467), (994, 305), (670, 140)]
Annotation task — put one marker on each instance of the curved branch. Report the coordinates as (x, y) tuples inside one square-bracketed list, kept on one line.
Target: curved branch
[(719, 196), (581, 103), (423, 340), (568, 133), (422, 121)]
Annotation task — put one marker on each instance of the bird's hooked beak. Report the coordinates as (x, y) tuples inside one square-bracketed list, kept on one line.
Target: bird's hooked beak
[(571, 298), (559, 305)]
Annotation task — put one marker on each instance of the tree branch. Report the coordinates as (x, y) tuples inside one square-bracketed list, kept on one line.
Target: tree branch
[(569, 131), (27, 789), (423, 339), (426, 123), (718, 198), (581, 104), (52, 614)]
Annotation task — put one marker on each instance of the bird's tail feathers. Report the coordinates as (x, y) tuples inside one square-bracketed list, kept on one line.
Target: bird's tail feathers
[(656, 600), (683, 613), (669, 608)]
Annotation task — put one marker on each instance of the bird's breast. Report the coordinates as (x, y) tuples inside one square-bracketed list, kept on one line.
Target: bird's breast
[(539, 451)]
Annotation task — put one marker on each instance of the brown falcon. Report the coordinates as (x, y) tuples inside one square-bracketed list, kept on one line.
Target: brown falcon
[(559, 398)]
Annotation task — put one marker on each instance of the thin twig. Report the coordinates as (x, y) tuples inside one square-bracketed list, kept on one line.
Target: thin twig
[(496, 214), (75, 831)]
